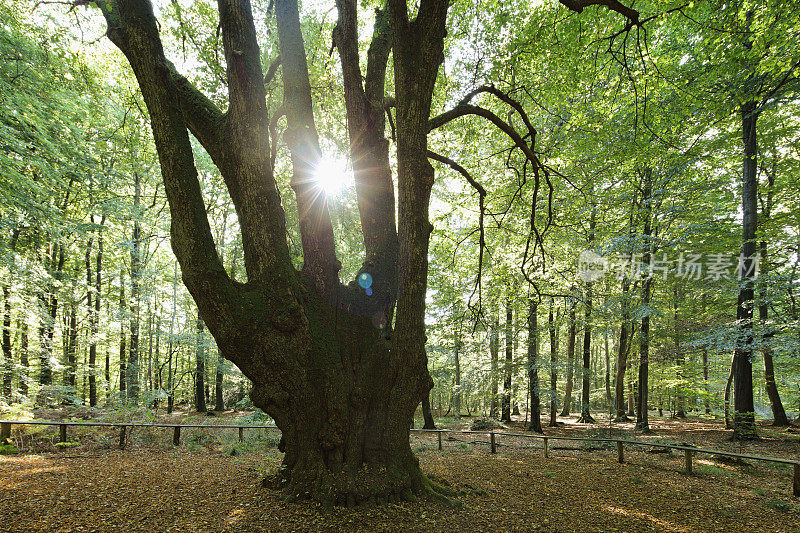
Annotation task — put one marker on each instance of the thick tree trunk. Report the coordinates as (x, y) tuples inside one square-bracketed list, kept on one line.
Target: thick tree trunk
[(325, 363), (570, 360), (533, 370), (744, 425)]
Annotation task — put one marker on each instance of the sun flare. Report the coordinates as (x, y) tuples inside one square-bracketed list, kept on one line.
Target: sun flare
[(332, 175)]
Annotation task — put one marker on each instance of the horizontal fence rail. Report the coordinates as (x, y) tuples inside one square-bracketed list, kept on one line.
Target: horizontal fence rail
[(689, 451)]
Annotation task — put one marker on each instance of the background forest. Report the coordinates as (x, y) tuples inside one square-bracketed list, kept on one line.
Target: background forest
[(619, 264)]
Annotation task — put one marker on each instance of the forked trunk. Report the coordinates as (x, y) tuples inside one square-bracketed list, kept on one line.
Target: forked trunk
[(341, 385)]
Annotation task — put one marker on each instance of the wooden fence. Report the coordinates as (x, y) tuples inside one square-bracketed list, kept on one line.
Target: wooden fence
[(689, 451)]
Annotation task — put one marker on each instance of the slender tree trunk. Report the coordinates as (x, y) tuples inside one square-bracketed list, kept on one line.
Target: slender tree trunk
[(622, 353), (219, 403), (132, 369), (23, 356), (744, 425), (632, 397), (72, 343), (200, 369), (123, 354), (533, 369), (727, 400), (157, 358), (94, 287), (426, 413), (680, 360), (494, 349), (778, 412), (570, 360), (8, 358), (170, 350), (587, 332), (706, 389), (552, 326), (607, 380), (507, 367), (642, 411), (456, 354), (49, 302)]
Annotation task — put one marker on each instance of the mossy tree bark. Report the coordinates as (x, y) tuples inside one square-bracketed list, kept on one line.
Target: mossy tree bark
[(326, 364)]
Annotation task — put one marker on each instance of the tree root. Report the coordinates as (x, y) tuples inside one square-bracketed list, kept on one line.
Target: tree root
[(371, 487)]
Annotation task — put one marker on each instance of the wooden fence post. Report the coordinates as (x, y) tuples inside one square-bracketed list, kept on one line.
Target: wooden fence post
[(620, 452), (62, 432), (176, 437), (5, 431), (545, 448), (494, 449), (439, 434), (796, 484), (122, 432), (241, 434), (688, 455)]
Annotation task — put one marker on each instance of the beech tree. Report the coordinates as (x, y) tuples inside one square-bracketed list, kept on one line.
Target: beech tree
[(340, 368)]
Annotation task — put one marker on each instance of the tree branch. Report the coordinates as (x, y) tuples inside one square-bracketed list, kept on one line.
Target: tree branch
[(316, 231), (482, 211), (132, 27), (246, 164), (462, 110), (369, 150), (203, 118), (579, 5)]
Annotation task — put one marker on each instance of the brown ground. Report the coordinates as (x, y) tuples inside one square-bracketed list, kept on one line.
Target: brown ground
[(201, 487)]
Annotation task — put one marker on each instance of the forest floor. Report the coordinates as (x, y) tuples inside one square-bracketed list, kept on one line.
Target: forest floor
[(212, 482)]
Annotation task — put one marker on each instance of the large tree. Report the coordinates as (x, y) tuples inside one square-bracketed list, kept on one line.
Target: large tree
[(340, 368)]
